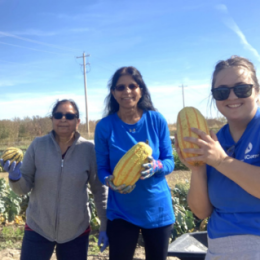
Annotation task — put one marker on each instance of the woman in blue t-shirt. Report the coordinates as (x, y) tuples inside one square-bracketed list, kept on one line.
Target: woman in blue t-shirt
[(131, 118), (227, 188)]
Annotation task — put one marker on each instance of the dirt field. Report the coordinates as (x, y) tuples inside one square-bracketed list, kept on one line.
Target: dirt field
[(12, 254), (172, 179)]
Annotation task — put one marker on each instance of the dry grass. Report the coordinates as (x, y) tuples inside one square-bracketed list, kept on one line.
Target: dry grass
[(5, 176), (172, 179), (178, 177)]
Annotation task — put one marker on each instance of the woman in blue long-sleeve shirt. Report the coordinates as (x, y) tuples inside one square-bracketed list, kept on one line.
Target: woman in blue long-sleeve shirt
[(146, 206)]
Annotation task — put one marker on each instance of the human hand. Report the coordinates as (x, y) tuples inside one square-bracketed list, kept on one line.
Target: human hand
[(123, 189), (152, 167), (103, 239), (182, 159), (209, 151), (13, 169)]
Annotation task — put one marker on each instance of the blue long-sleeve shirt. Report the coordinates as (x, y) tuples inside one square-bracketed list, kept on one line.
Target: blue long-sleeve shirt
[(149, 204)]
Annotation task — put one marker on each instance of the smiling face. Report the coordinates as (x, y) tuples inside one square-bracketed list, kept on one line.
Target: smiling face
[(128, 98), (234, 108), (64, 127)]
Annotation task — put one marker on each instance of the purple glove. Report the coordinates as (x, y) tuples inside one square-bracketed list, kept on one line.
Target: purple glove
[(123, 189), (103, 239), (152, 167), (13, 169)]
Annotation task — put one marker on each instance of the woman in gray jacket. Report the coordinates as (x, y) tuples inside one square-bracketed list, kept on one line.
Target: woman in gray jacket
[(56, 170)]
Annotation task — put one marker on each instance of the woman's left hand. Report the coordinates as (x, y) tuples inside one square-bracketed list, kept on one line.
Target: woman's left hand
[(209, 151), (102, 240), (152, 167)]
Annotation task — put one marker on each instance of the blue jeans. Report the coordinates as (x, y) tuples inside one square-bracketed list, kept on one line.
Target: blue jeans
[(36, 247)]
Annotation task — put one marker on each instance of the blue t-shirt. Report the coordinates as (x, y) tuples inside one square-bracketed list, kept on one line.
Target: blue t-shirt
[(149, 205), (235, 211)]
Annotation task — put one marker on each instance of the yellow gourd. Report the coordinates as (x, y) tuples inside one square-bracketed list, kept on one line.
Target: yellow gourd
[(128, 168), (13, 154), (190, 117)]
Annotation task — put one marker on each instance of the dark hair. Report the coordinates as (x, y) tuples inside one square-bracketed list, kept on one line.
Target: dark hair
[(145, 102), (59, 102), (236, 61)]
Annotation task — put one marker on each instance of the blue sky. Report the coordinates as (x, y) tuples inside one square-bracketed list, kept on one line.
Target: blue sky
[(171, 43)]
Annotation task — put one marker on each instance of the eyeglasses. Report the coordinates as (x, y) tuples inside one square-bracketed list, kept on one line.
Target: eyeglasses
[(122, 87), (68, 116), (241, 91)]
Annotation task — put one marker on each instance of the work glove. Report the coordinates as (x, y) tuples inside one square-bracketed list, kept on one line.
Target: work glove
[(13, 169), (123, 189), (102, 239), (152, 167)]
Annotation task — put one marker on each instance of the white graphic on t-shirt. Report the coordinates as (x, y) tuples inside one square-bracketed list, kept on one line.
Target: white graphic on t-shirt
[(250, 156), (249, 148)]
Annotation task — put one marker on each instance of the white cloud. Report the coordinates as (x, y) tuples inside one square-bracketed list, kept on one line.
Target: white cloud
[(14, 45), (5, 34), (10, 83), (6, 83), (40, 104), (33, 32), (234, 27), (166, 98), (222, 8), (79, 30), (39, 33), (230, 23)]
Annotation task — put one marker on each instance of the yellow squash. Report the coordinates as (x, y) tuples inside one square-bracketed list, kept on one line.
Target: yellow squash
[(13, 154), (190, 117), (127, 170)]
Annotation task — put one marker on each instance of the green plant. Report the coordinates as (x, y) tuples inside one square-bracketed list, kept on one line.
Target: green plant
[(95, 222), (93, 248), (12, 232), (178, 164), (9, 202), (186, 221), (180, 191), (184, 217), (11, 237)]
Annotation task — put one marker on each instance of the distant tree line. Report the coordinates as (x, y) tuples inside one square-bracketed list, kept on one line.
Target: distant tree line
[(26, 129), (17, 129)]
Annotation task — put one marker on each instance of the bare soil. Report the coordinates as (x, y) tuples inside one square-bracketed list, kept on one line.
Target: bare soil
[(172, 179), (14, 254)]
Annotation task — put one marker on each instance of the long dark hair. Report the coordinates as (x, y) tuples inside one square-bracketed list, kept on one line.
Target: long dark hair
[(145, 102)]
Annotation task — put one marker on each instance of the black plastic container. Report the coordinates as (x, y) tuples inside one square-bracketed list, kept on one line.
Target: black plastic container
[(190, 246)]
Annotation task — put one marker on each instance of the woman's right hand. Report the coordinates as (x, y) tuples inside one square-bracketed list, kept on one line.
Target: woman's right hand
[(123, 189), (178, 150), (13, 169)]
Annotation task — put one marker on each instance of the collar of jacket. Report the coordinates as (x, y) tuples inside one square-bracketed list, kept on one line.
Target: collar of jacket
[(52, 135)]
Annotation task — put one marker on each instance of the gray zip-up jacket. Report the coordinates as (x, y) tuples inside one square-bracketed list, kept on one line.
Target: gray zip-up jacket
[(58, 206)]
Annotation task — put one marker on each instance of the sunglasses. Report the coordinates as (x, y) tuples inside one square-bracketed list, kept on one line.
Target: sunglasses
[(68, 116), (131, 86), (241, 91)]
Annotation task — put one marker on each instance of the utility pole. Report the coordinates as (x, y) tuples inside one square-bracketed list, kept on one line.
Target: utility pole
[(182, 86), (85, 87)]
